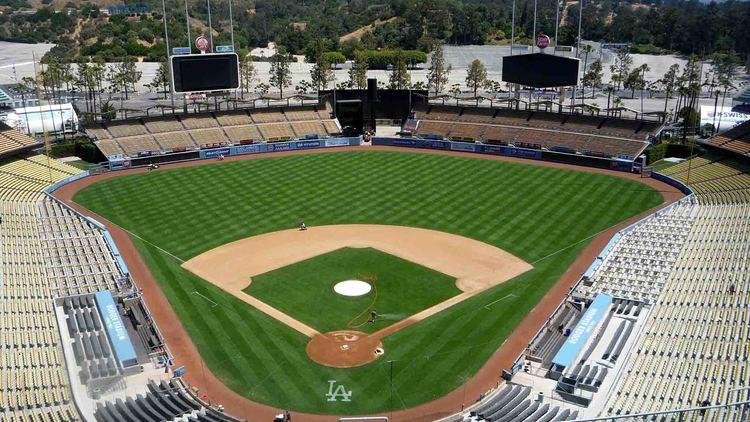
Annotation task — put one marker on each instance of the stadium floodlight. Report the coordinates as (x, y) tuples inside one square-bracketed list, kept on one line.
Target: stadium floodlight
[(193, 73)]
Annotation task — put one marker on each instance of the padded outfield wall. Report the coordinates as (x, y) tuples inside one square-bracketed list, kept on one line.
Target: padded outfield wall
[(232, 151), (508, 151)]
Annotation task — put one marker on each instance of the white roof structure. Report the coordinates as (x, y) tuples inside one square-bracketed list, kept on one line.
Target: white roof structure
[(52, 118)]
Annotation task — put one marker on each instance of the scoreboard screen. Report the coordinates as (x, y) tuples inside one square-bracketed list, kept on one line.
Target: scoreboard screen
[(205, 72), (540, 70)]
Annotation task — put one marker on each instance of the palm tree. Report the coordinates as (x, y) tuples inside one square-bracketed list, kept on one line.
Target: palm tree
[(586, 50), (617, 102), (610, 90)]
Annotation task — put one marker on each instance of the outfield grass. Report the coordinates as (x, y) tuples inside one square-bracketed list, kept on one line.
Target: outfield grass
[(305, 290), (542, 215)]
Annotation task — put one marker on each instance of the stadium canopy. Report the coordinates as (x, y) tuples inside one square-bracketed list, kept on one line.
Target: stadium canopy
[(619, 109), (54, 118), (548, 104), (583, 106)]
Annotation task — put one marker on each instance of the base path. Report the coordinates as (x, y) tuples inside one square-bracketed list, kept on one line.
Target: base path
[(199, 376), (476, 266)]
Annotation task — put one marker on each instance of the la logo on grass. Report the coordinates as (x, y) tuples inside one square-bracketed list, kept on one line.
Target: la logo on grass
[(338, 391)]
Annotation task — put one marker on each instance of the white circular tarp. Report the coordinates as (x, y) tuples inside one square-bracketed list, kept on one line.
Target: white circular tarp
[(352, 288)]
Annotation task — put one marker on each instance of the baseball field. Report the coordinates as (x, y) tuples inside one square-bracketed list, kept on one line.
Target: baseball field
[(252, 323)]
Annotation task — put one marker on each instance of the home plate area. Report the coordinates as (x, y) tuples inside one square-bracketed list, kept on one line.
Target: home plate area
[(344, 349)]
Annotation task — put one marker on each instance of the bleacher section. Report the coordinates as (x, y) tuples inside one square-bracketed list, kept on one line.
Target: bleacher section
[(515, 403), (47, 252), (13, 141), (590, 135), (169, 400), (161, 135), (80, 258), (24, 179), (90, 344), (34, 384), (736, 139), (695, 348), (640, 259), (716, 179)]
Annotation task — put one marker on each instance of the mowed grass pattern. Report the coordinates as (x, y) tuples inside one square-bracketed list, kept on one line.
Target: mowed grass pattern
[(543, 215), (305, 290)]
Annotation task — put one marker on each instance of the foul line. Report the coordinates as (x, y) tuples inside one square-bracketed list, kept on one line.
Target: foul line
[(195, 292), (182, 261), (487, 306), (572, 244)]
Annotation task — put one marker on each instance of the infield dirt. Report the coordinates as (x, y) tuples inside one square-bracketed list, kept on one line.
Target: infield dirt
[(476, 266)]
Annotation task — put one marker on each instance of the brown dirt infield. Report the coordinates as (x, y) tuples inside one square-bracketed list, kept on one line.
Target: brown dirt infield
[(476, 266), (343, 349), (185, 352)]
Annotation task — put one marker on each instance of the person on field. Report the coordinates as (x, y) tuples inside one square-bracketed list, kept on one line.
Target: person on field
[(373, 315), (302, 226)]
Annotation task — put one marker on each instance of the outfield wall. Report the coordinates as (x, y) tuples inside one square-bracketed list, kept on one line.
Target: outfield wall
[(232, 151), (672, 182), (508, 151)]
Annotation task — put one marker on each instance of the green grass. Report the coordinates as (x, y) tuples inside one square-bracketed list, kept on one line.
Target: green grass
[(83, 165), (305, 290), (542, 215), (662, 165)]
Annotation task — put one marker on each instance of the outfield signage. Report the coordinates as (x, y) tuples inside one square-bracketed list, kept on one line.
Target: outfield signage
[(722, 117), (583, 330), (224, 49), (407, 142), (116, 330), (337, 142), (523, 153), (434, 144), (279, 147), (216, 153), (181, 50), (495, 150), (460, 146), (307, 144), (248, 149)]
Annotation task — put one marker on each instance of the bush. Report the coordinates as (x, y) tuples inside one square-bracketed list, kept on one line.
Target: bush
[(380, 59), (647, 49), (655, 153), (334, 57)]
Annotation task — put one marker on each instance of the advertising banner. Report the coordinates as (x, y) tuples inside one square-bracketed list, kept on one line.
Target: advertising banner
[(215, 153), (583, 330), (285, 146), (248, 149), (437, 144), (308, 144), (723, 118), (337, 142), (413, 143), (118, 334), (461, 146)]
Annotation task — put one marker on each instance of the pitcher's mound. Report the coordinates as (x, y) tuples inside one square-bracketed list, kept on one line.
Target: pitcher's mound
[(344, 349)]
